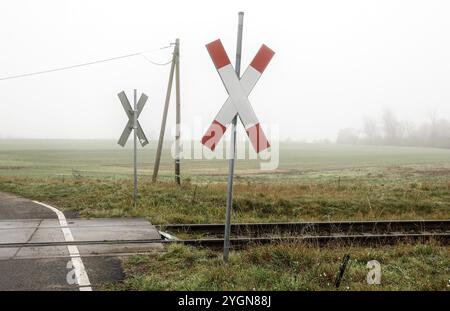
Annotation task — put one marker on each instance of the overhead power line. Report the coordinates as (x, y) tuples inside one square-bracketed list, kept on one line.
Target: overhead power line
[(87, 64), (155, 63)]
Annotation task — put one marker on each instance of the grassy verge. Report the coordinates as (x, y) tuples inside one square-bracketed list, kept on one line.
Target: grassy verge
[(373, 196), (289, 267), (313, 182)]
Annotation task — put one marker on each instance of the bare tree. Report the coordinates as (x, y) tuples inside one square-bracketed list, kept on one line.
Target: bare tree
[(443, 133), (370, 129), (391, 127), (347, 136), (432, 115), (433, 133)]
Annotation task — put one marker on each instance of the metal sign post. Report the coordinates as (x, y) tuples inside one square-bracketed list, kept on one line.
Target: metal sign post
[(135, 145), (133, 125), (237, 104), (226, 242)]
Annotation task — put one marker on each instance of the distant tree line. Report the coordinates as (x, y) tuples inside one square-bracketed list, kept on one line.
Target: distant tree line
[(389, 130)]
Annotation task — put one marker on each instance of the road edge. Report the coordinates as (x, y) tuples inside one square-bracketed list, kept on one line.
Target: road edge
[(82, 278)]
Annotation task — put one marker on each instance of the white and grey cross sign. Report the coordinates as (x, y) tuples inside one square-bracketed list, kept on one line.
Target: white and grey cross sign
[(130, 113)]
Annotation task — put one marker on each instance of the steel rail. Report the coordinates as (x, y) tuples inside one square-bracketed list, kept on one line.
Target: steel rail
[(367, 239), (379, 226), (242, 241)]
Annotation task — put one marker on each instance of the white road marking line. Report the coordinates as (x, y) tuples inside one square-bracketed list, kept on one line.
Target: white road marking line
[(80, 271)]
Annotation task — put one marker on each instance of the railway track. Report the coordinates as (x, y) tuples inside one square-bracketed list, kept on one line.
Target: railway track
[(316, 228), (364, 239), (318, 233)]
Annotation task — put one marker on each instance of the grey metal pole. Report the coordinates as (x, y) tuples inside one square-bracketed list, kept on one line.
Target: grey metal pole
[(164, 118), (178, 113), (135, 145), (226, 243)]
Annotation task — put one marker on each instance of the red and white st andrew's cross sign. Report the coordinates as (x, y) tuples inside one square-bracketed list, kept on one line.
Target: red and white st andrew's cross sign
[(238, 91)]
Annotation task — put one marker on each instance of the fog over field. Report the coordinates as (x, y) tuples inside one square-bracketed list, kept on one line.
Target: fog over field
[(340, 67)]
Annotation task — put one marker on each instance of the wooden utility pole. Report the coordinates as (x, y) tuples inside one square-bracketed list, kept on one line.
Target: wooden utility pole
[(175, 65), (178, 113)]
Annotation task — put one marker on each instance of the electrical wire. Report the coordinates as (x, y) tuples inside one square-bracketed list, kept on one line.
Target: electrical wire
[(155, 63), (88, 64)]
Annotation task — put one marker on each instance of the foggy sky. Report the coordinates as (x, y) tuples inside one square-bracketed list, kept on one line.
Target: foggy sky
[(335, 62)]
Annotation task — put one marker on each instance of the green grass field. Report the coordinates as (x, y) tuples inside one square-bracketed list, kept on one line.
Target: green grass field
[(312, 182), (104, 158)]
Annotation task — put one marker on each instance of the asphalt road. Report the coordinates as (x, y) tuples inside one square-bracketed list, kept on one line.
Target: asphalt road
[(57, 267)]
